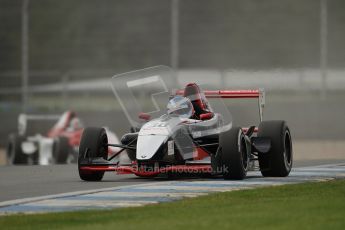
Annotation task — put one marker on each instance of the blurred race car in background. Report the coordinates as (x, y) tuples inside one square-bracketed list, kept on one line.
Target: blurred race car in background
[(34, 145)]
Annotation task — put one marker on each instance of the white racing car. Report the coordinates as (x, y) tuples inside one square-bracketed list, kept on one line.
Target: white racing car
[(187, 136), (47, 139)]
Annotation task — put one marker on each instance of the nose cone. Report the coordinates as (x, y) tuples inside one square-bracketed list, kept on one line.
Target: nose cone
[(148, 145)]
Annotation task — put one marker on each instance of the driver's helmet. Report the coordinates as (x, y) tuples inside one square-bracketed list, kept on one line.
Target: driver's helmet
[(180, 106), (75, 124)]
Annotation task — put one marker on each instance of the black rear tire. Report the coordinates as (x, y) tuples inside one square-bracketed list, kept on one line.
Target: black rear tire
[(234, 157), (61, 150), (93, 144), (278, 161), (15, 154)]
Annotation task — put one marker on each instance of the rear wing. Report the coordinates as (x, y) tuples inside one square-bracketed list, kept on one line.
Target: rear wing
[(24, 118), (237, 94)]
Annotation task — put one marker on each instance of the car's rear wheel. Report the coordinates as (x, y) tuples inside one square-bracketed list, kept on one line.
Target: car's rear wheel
[(278, 161), (15, 154), (93, 144), (234, 157), (61, 150)]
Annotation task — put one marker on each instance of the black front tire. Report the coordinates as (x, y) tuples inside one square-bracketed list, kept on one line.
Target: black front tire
[(93, 144), (15, 154), (278, 161), (234, 157), (61, 150)]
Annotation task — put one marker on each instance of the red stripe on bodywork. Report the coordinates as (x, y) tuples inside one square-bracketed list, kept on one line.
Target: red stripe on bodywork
[(205, 168)]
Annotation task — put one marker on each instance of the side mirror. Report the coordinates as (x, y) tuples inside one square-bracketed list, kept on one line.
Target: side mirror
[(206, 116), (144, 116)]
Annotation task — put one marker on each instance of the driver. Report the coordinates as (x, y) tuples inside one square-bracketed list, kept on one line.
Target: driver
[(75, 124), (180, 106)]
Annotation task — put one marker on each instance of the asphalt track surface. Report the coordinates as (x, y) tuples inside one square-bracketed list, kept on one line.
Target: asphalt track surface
[(18, 182), (163, 191)]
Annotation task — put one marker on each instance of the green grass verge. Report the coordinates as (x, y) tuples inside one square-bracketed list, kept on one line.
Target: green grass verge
[(301, 206)]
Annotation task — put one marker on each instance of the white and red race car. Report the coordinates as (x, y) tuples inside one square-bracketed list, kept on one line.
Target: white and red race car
[(58, 145), (189, 136)]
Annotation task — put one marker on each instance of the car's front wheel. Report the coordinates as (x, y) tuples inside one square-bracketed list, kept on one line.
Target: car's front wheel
[(93, 144)]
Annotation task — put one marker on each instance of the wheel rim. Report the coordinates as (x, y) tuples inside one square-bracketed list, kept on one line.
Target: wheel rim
[(287, 149), (244, 153), (104, 146)]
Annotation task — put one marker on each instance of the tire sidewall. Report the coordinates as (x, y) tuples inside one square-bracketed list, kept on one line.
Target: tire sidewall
[(92, 144), (275, 162), (15, 154), (232, 154), (287, 162)]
